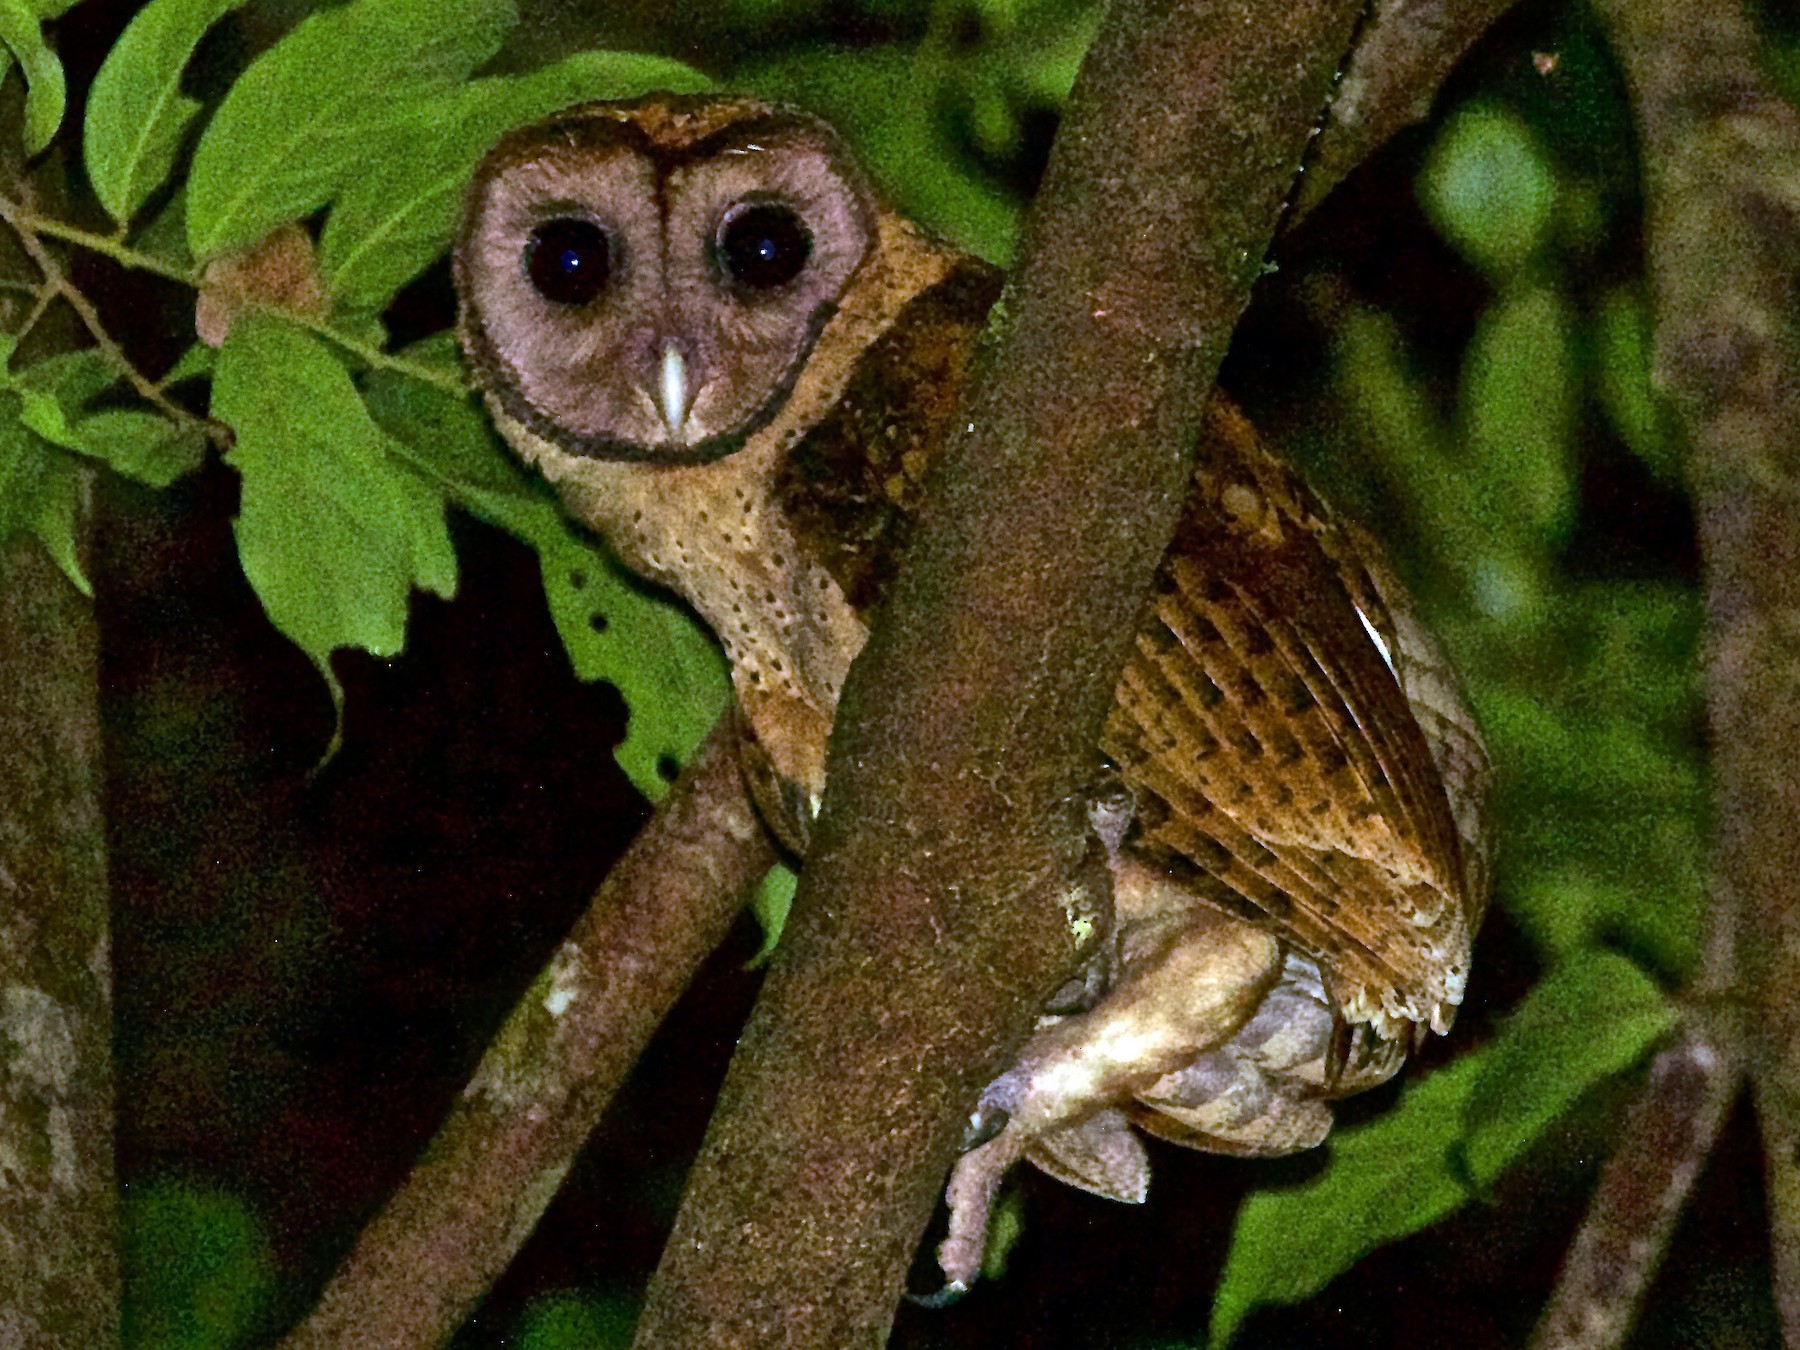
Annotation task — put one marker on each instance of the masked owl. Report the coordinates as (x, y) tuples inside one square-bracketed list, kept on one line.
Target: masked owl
[(699, 322)]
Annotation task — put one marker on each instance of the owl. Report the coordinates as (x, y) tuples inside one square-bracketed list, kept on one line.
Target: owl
[(700, 323)]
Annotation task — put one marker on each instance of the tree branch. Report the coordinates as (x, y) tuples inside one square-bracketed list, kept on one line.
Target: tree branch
[(1671, 1130), (425, 1261), (1721, 153), (57, 1203), (1404, 52), (934, 914)]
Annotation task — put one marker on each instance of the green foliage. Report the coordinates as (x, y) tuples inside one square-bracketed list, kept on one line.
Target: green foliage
[(322, 105), (46, 95), (1591, 1017), (197, 1269), (1413, 1165), (136, 112), (398, 213), (335, 529), (1488, 188), (774, 897), (668, 669), (1387, 1179), (572, 1321)]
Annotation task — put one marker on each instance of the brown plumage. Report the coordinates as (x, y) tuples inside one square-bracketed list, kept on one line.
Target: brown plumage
[(746, 406)]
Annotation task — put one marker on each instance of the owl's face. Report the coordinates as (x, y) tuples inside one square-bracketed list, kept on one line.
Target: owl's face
[(644, 282)]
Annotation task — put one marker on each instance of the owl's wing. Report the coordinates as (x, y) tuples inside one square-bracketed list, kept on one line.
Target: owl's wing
[(1298, 744)]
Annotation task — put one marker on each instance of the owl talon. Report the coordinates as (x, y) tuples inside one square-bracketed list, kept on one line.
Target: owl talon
[(952, 1293), (984, 1123)]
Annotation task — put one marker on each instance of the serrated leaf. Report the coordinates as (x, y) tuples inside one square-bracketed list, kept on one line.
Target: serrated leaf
[(665, 664), (136, 112), (52, 9), (773, 899), (141, 445), (1594, 1015), (391, 221), (333, 530), (56, 390), (319, 106), (1386, 1179), (45, 90)]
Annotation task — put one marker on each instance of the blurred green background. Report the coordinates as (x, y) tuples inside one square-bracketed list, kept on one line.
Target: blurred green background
[(1456, 345)]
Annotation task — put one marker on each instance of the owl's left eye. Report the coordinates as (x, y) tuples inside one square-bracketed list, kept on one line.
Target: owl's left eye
[(762, 246), (569, 261)]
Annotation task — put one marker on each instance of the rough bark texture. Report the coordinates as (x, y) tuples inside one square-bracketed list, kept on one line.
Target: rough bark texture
[(419, 1269), (1721, 154), (933, 917), (1403, 53), (59, 1272)]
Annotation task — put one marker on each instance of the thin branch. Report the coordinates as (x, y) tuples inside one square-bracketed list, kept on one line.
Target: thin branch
[(1404, 52), (28, 225), (1643, 1187), (23, 223), (425, 1261), (1721, 154)]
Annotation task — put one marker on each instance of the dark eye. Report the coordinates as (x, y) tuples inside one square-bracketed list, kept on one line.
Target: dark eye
[(569, 261), (764, 246)]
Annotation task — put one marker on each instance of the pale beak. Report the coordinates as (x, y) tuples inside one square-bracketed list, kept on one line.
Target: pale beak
[(674, 397)]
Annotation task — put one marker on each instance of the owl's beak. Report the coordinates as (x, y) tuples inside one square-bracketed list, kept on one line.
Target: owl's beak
[(674, 397)]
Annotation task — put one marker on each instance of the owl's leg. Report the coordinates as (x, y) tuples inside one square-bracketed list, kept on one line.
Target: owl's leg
[(1202, 983)]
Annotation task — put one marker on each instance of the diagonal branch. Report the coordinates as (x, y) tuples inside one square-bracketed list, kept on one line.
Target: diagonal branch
[(1403, 53), (425, 1261)]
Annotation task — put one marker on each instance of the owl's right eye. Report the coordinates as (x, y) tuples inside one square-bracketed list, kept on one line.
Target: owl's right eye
[(569, 261)]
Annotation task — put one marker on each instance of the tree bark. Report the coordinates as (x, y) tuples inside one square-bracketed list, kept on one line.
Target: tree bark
[(59, 1269), (934, 915)]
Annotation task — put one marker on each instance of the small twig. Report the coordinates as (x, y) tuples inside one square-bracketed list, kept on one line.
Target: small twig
[(430, 1255), (27, 224), (449, 381), (1671, 1130), (24, 224)]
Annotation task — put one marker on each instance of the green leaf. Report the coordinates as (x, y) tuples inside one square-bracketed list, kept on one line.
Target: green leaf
[(1622, 330), (665, 664), (39, 490), (391, 221), (198, 1273), (56, 390), (1386, 1180), (1488, 188), (141, 445), (1595, 1015), (773, 899), (320, 106), (1519, 414), (572, 1321), (334, 531), (45, 91), (136, 112), (52, 9)]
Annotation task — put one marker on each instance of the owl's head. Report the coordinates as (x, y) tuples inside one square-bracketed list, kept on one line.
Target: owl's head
[(644, 281)]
